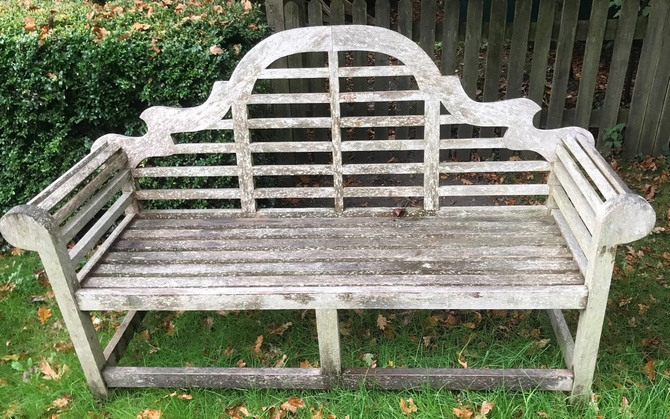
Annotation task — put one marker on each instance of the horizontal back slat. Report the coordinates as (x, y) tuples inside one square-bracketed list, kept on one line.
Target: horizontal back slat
[(495, 166), (196, 171), (160, 194), (495, 190)]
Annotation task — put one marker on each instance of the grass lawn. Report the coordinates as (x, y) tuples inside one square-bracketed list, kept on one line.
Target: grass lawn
[(40, 376)]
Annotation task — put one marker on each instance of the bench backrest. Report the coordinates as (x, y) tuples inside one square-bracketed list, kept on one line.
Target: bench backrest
[(421, 136)]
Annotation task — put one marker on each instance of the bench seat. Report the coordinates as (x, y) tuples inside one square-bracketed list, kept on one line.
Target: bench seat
[(357, 262)]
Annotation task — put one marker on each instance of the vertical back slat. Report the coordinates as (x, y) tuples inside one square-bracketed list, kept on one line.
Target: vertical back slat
[(431, 157), (336, 131), (650, 143), (473, 40), (494, 55), (541, 46), (649, 57), (617, 71), (383, 20), (360, 59), (519, 48), (405, 28), (562, 65), (244, 160), (594, 45)]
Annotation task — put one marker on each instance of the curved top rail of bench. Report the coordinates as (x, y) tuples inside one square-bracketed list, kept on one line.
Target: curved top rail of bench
[(515, 114)]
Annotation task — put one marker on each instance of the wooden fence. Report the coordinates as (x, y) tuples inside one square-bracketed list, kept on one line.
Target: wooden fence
[(581, 72)]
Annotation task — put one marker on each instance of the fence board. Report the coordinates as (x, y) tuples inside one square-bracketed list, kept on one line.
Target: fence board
[(405, 28), (450, 36), (494, 56), (589, 73), (291, 21), (650, 143), (317, 60), (383, 20), (473, 40), (633, 142), (617, 72), (562, 65), (427, 24), (519, 48), (541, 45), (663, 126)]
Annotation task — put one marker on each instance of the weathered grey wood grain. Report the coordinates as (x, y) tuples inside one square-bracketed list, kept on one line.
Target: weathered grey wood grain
[(585, 210), (336, 130), (602, 164), (519, 47), (328, 331), (577, 253), (285, 147), (90, 239), (94, 205), (580, 180), (381, 96), (563, 335), (392, 71), (242, 125), (385, 378), (471, 143), (478, 190), (104, 247), (431, 158), (196, 171), (204, 148), (390, 145), (154, 194), (594, 46), (596, 176), (64, 184), (495, 166), (119, 342), (290, 98), (374, 169), (308, 298), (85, 193), (571, 215)]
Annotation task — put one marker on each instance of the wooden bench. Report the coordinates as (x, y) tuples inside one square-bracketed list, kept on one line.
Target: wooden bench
[(445, 254)]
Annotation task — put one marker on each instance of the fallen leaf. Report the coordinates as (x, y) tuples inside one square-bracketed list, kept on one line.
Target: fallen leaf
[(29, 25), (62, 401), (49, 372), (316, 413), (241, 364), (15, 250), (281, 362), (650, 369), (237, 49), (150, 414), (625, 407), (381, 322), (6, 288), (218, 8), (466, 182), (11, 357), (252, 27), (486, 407), (137, 26), (100, 33), (63, 346), (543, 415), (238, 411), (180, 8), (43, 313), (247, 5), (292, 404), (462, 412), (306, 364), (462, 361), (3, 382), (408, 407), (540, 343), (154, 47), (281, 329), (259, 342)]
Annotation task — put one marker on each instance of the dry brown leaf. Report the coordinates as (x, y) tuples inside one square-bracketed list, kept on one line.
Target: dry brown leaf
[(241, 364), (236, 48), (259, 342), (15, 250), (218, 9), (316, 413), (306, 364), (462, 412), (214, 50), (539, 344), (650, 369), (543, 415), (43, 313), (486, 407), (62, 401), (252, 27), (49, 372), (667, 216), (150, 414), (100, 33), (466, 181), (137, 26), (3, 382), (238, 411), (6, 288), (281, 329), (281, 362), (292, 404), (408, 407), (63, 346), (180, 8), (462, 361), (154, 47), (11, 357), (29, 25), (247, 5), (381, 322), (229, 350), (186, 396)]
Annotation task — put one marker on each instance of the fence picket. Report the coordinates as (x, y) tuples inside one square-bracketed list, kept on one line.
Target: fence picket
[(617, 74), (291, 21), (519, 48), (650, 143), (562, 65), (494, 56), (473, 41), (634, 143), (663, 127), (589, 73), (405, 28), (541, 46)]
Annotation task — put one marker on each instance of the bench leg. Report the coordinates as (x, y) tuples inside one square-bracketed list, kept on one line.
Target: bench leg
[(591, 319), (328, 333)]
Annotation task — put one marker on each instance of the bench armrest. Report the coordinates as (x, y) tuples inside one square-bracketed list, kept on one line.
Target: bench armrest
[(596, 203), (68, 205)]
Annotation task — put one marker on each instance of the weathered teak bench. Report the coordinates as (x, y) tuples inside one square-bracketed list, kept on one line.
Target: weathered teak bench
[(554, 256)]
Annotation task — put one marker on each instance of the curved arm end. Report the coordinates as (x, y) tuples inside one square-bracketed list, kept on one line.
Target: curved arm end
[(28, 227), (626, 218)]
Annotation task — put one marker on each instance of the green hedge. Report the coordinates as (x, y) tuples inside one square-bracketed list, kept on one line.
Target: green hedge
[(72, 71)]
